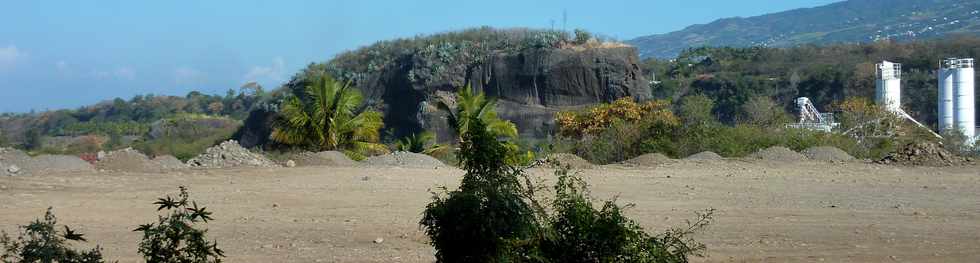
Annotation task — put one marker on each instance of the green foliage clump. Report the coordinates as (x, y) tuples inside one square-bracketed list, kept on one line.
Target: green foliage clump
[(423, 143), (435, 56), (327, 115), (174, 238), (40, 241), (579, 232), (494, 217), (187, 135), (489, 213), (620, 138)]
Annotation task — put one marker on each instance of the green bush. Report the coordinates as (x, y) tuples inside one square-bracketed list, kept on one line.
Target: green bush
[(40, 241), (174, 238), (480, 221), (578, 232), (494, 217)]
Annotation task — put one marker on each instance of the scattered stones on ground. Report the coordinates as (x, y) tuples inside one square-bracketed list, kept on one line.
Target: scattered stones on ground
[(557, 160), (923, 154), (649, 160), (704, 156), (229, 155), (290, 163), (404, 159), (328, 158), (778, 153), (827, 154)]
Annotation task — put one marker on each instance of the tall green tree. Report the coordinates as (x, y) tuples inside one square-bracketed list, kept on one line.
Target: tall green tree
[(469, 105), (327, 116)]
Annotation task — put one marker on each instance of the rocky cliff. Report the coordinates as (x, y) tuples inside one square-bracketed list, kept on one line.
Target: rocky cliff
[(531, 85)]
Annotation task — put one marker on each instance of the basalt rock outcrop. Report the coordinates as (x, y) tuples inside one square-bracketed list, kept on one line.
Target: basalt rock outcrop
[(530, 86)]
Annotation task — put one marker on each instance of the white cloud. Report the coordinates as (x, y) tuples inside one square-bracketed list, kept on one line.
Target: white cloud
[(120, 73), (187, 75), (275, 72), (9, 55), (126, 73)]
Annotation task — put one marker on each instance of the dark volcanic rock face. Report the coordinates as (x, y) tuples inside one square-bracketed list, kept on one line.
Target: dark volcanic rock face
[(531, 86)]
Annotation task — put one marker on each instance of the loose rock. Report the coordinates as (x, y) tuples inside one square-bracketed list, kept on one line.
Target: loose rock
[(228, 155), (923, 154)]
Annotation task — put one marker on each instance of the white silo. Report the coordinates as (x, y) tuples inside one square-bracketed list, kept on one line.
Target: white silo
[(945, 102), (964, 108), (888, 88)]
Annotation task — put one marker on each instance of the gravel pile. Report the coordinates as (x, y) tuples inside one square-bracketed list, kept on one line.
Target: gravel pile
[(827, 154), (779, 154), (328, 158), (923, 154), (228, 155), (169, 162), (649, 160), (15, 163), (704, 156), (127, 160), (556, 160), (404, 159), (57, 164)]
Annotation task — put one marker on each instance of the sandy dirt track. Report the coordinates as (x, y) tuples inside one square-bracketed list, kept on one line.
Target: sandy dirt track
[(766, 212)]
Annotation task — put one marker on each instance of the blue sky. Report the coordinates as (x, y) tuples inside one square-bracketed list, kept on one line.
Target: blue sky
[(69, 53)]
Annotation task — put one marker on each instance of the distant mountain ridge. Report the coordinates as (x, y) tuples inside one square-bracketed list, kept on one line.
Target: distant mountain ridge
[(850, 21)]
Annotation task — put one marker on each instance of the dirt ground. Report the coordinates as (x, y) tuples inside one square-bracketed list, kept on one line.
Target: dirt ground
[(766, 212)]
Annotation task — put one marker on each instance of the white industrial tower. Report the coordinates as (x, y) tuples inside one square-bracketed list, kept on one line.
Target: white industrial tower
[(888, 87), (957, 109), (888, 91)]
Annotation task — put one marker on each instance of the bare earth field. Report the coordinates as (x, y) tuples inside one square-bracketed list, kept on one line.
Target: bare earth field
[(766, 212)]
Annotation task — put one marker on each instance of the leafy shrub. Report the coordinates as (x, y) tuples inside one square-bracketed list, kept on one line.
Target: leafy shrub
[(174, 238), (598, 118), (494, 217), (578, 232), (40, 241)]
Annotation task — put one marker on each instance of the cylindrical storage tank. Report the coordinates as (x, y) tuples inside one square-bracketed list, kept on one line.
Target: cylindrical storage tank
[(963, 101), (945, 102), (888, 92)]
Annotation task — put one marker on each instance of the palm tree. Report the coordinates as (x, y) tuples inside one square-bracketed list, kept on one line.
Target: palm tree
[(421, 143), (469, 105), (328, 120)]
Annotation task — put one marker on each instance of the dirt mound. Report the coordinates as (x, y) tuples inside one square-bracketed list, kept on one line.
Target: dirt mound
[(15, 162), (404, 159), (328, 158), (828, 154), (923, 154), (566, 159), (57, 164), (229, 154), (649, 160), (778, 153), (704, 156), (127, 160), (169, 162)]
